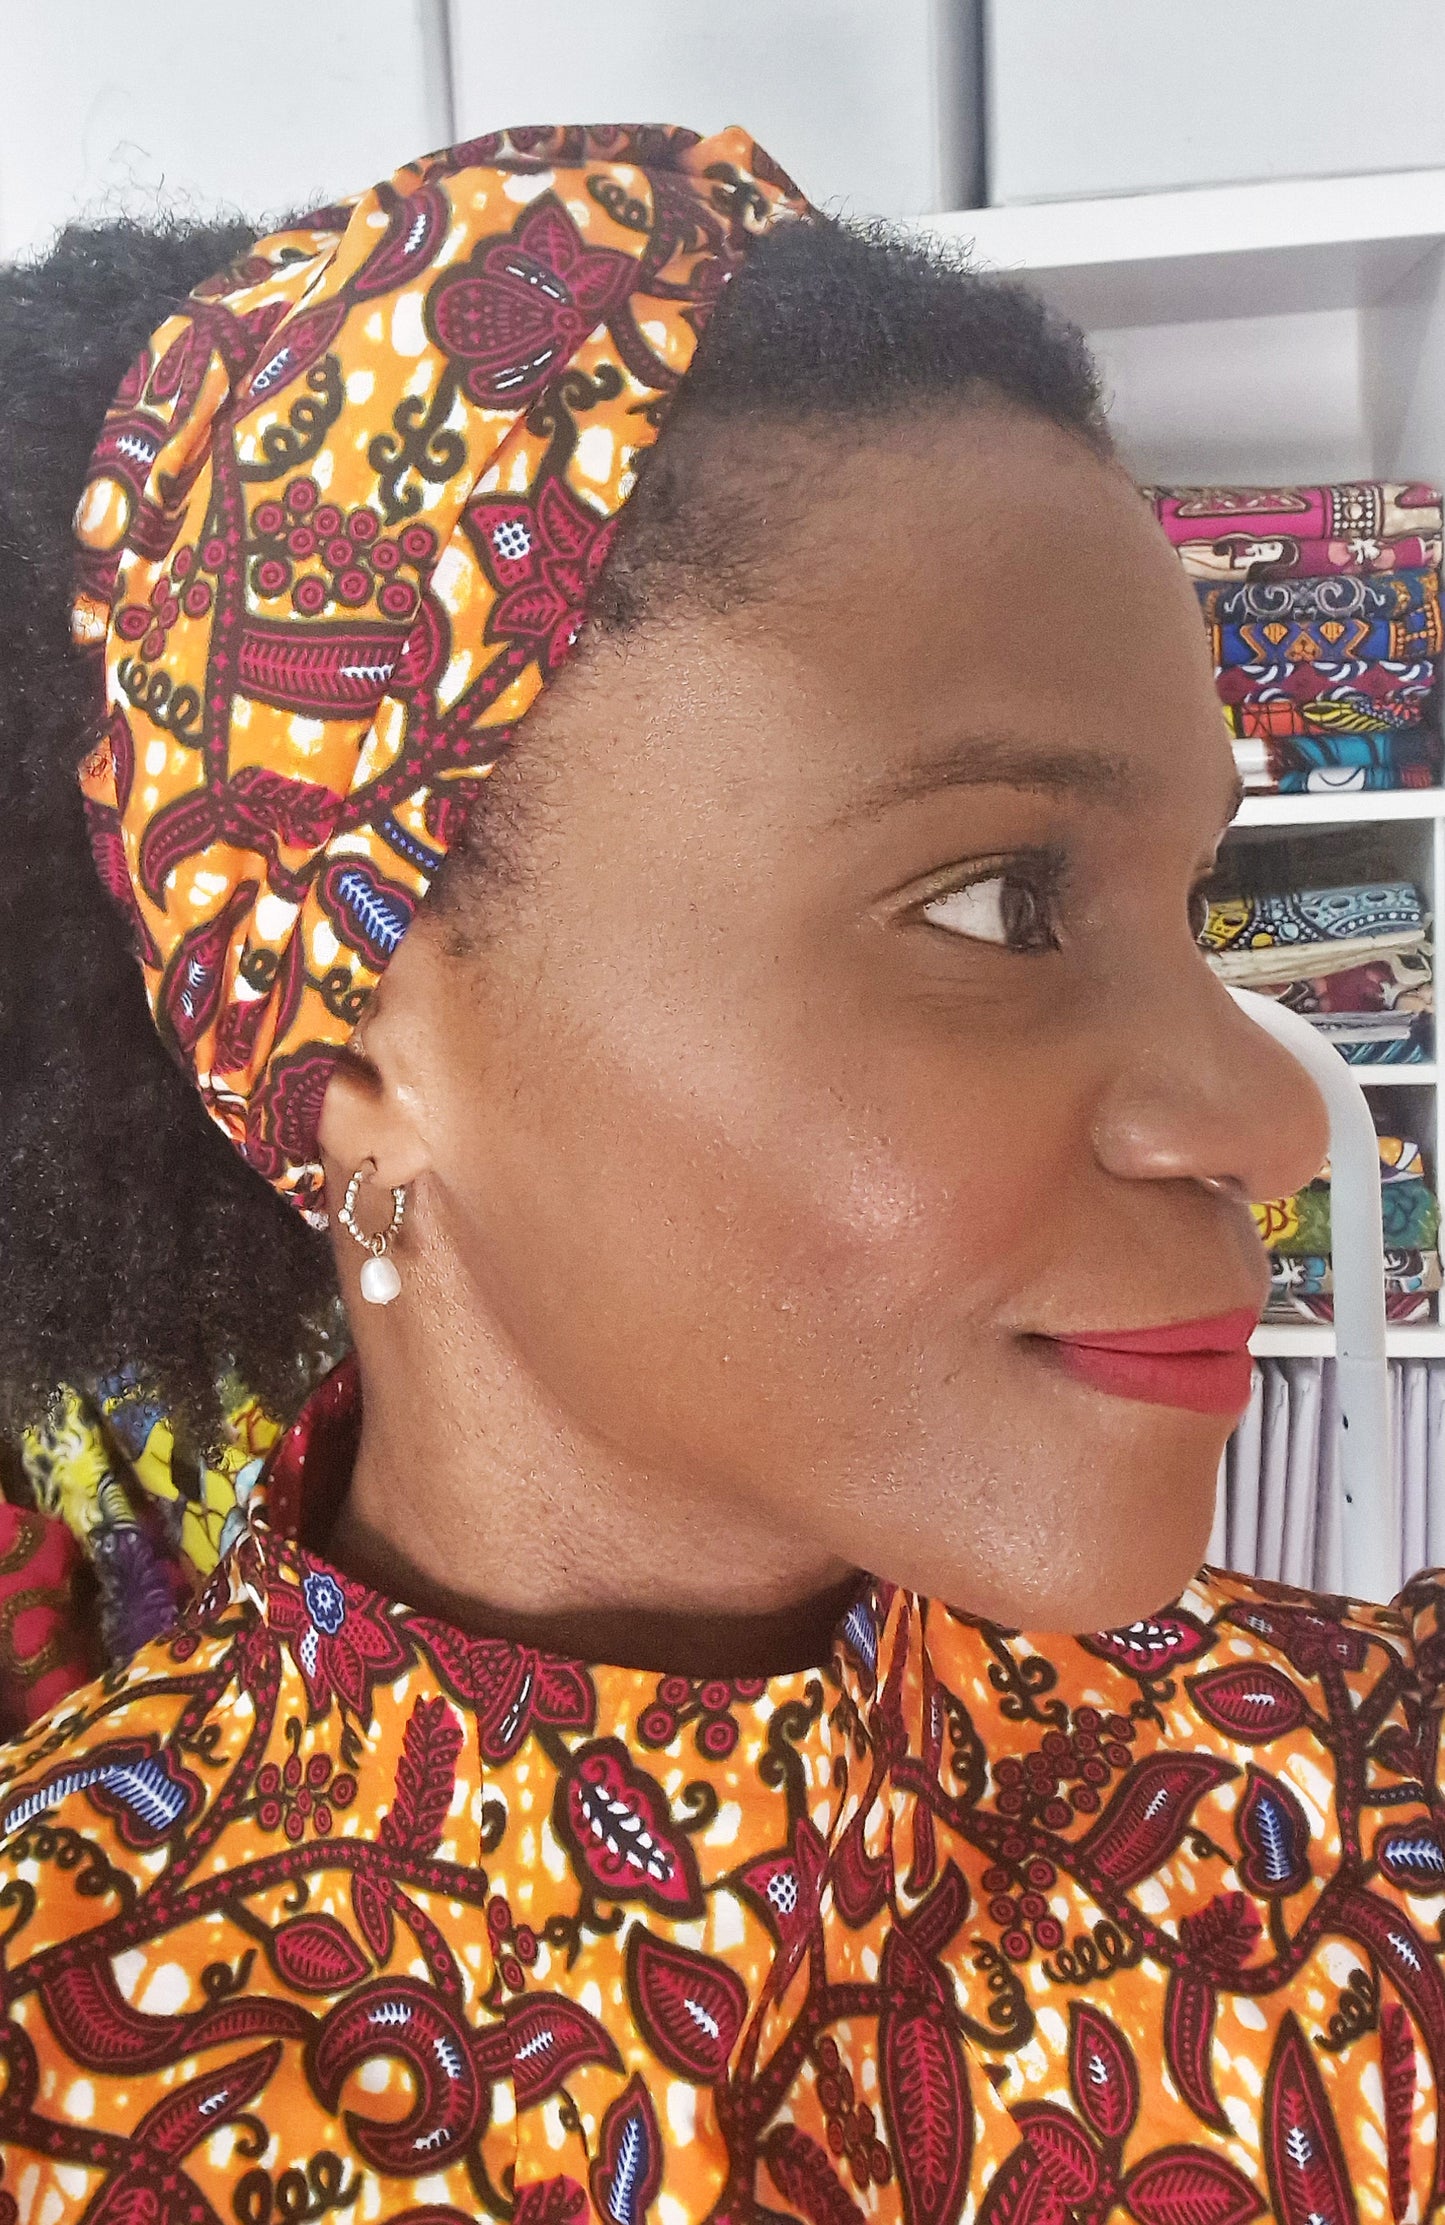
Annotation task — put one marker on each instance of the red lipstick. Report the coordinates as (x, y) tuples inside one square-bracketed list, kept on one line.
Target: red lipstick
[(1200, 1366)]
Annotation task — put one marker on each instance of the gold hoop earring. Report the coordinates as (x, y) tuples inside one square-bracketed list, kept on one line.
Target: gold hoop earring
[(380, 1279)]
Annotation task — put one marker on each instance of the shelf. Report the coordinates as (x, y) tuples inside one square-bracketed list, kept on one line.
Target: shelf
[(1424, 1075), (1218, 251), (1345, 808), (1311, 1340)]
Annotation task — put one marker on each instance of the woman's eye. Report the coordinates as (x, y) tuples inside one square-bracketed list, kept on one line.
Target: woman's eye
[(1005, 908)]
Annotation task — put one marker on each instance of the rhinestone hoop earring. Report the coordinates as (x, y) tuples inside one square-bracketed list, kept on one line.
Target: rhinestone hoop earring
[(380, 1281)]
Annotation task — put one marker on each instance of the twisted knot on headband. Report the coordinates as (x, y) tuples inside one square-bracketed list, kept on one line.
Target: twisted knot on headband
[(339, 531)]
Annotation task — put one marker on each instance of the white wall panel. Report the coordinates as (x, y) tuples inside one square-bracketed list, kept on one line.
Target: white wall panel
[(261, 108), (1136, 96), (869, 107), (1239, 398)]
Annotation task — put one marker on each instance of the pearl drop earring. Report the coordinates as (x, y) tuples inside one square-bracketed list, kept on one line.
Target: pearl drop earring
[(380, 1281)]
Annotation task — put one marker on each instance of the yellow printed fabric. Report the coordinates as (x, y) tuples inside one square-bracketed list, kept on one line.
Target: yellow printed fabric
[(339, 532), (323, 1907), (152, 1522)]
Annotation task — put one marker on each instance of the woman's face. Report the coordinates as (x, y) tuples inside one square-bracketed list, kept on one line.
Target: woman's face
[(845, 1042)]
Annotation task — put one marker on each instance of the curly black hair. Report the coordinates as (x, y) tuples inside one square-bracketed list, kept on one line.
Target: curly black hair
[(130, 1232)]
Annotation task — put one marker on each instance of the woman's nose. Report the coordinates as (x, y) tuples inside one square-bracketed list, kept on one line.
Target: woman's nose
[(1206, 1096)]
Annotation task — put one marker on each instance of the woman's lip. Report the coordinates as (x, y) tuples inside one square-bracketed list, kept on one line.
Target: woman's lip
[(1201, 1367), (1215, 1332)]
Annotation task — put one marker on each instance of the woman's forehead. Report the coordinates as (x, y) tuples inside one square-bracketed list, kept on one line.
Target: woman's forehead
[(975, 600)]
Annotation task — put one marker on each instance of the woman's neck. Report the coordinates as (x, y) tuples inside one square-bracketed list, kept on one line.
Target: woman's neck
[(487, 1508), (681, 1642)]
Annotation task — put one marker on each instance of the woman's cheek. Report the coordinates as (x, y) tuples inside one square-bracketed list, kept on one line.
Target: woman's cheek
[(905, 1227)]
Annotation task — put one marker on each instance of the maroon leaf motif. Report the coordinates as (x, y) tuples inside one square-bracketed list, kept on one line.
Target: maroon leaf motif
[(1148, 1816), (107, 847), (615, 1822), (239, 1030), (1102, 2073), (514, 1687), (1221, 1936), (132, 386), (925, 1849), (563, 1694), (426, 1778), (401, 2017), (935, 1922), (208, 2098), (101, 2030), (548, 2036), (260, 803), (178, 831), (1189, 2186), (1397, 2057), (628, 2169), (285, 1114), (1190, 2006), (804, 2176), (301, 340), (414, 231), (1022, 2193), (316, 1954), (1306, 1637), (1388, 1935), (1275, 1836), (325, 669), (1309, 2183), (1152, 1647), (859, 1879), (689, 2008), (121, 743), (1249, 1701), (1062, 2147), (371, 1907), (925, 2088), (129, 443), (559, 2201), (426, 649), (195, 979), (166, 378)]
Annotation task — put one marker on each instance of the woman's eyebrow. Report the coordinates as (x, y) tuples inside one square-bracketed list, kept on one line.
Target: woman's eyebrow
[(1001, 761)]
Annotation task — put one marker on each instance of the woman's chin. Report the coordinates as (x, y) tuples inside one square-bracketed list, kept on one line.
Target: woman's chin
[(1105, 1557)]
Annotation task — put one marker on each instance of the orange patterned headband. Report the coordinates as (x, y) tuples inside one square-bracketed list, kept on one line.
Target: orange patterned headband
[(339, 532)]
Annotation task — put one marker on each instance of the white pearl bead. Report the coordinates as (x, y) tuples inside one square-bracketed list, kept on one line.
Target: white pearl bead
[(380, 1282)]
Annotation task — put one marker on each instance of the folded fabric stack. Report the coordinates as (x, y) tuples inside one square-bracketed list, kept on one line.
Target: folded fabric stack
[(1323, 610), (1355, 961), (1296, 1231)]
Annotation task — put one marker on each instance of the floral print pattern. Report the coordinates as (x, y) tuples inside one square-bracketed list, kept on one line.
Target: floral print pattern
[(322, 1905)]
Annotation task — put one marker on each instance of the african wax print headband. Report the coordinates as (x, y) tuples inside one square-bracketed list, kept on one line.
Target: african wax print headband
[(339, 532)]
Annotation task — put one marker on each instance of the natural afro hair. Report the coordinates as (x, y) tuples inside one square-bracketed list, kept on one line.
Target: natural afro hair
[(130, 1232)]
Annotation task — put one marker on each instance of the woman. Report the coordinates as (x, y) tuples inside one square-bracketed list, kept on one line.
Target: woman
[(797, 1136)]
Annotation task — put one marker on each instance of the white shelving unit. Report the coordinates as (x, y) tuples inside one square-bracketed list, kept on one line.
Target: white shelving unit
[(1267, 333)]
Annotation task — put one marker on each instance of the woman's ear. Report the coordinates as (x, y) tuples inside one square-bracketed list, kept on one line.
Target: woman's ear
[(372, 1109)]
